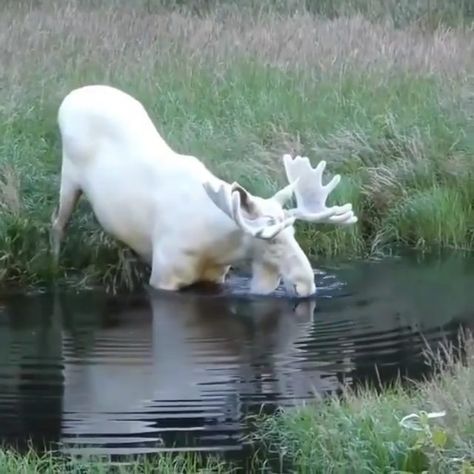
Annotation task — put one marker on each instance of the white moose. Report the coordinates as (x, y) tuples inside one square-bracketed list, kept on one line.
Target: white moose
[(171, 210)]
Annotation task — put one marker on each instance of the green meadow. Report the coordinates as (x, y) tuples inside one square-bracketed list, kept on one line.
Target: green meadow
[(381, 90)]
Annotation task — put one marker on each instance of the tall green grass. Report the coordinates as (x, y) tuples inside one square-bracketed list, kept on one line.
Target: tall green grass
[(12, 462), (390, 109), (362, 431)]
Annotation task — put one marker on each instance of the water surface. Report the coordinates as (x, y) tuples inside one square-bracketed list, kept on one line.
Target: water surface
[(154, 371)]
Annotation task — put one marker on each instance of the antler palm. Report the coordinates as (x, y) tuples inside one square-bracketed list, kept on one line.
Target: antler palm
[(311, 194)]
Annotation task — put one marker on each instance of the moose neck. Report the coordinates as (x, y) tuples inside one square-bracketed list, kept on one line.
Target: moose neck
[(233, 245)]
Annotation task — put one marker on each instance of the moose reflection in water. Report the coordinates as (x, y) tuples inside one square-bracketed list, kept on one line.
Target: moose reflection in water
[(186, 362), (139, 372)]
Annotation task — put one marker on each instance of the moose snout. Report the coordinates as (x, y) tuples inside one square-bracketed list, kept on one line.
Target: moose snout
[(301, 288)]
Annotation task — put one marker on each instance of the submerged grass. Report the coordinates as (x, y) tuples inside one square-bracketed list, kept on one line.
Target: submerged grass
[(361, 431), (389, 104)]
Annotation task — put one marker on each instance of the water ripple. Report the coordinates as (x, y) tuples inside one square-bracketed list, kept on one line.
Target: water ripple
[(159, 371)]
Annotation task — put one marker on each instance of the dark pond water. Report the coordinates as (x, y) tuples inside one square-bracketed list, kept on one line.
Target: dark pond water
[(152, 371)]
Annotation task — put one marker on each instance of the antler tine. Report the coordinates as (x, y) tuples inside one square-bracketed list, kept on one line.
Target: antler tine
[(295, 167), (333, 183), (220, 196)]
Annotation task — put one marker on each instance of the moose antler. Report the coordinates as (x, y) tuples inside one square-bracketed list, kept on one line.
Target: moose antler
[(262, 222), (311, 194), (238, 204)]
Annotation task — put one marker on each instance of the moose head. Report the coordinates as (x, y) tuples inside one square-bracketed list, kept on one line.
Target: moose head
[(275, 253)]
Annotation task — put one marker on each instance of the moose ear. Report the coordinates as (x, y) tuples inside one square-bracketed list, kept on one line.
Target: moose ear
[(243, 208), (247, 203)]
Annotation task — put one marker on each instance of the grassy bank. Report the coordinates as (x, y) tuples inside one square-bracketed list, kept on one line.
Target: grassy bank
[(361, 431), (383, 94), (14, 463)]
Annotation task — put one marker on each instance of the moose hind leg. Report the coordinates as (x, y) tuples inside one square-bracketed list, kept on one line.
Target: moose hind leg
[(69, 194)]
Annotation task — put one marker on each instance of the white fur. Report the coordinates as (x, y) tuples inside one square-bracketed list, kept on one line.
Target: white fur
[(159, 202)]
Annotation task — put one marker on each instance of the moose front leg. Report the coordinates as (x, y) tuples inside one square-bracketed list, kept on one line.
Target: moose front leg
[(169, 271), (174, 269)]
